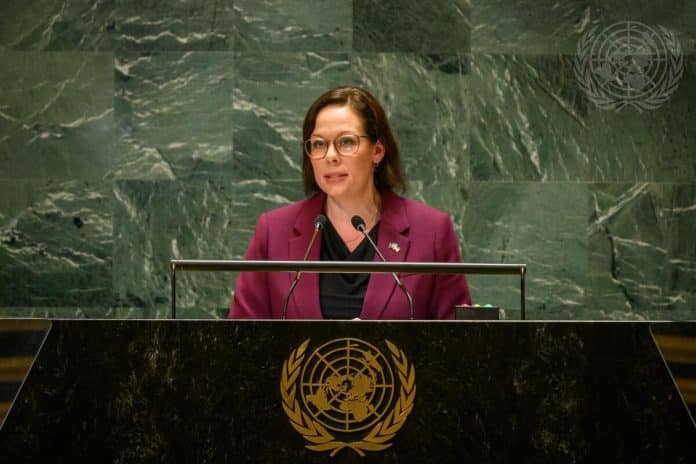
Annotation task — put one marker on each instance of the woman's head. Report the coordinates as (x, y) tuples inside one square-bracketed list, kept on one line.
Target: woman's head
[(343, 105)]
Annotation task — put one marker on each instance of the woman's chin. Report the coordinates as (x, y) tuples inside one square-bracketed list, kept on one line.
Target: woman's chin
[(334, 190)]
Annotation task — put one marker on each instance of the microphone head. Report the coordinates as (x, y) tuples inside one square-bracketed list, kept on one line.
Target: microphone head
[(320, 222), (358, 223)]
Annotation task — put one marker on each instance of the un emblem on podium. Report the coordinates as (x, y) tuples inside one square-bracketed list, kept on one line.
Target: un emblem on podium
[(347, 394)]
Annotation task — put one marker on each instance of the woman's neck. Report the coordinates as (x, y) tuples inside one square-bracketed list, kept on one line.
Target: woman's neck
[(341, 210)]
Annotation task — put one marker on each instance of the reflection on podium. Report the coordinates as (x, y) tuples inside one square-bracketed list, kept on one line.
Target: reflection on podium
[(19, 343)]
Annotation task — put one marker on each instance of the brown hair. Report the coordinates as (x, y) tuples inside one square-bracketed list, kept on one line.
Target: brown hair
[(389, 175)]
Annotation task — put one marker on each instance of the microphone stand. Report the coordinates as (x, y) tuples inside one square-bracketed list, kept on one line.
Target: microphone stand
[(319, 224), (359, 224)]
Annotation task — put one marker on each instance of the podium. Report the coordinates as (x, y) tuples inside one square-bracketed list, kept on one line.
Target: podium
[(141, 391)]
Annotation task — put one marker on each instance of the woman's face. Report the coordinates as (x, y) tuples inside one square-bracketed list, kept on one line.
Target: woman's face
[(341, 176)]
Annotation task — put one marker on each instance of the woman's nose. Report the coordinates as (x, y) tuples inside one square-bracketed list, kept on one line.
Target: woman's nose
[(331, 153)]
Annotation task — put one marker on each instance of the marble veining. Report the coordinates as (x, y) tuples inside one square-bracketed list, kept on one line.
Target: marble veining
[(132, 132)]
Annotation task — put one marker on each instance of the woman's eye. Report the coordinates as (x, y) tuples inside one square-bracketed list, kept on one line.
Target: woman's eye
[(318, 144), (346, 142)]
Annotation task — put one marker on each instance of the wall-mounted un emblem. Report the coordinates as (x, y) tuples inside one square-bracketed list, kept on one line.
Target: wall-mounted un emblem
[(347, 394), (628, 64)]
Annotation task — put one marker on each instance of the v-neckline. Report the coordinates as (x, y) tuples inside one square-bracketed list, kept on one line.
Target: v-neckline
[(345, 251)]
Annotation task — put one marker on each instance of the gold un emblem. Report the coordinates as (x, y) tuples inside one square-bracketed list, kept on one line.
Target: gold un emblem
[(345, 394)]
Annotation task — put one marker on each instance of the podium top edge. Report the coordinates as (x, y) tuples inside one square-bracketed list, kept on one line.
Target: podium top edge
[(202, 265)]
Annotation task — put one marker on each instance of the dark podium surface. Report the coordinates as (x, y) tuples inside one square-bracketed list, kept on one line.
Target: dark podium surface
[(213, 391)]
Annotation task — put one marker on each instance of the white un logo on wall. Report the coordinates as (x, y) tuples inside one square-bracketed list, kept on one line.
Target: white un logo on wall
[(628, 64)]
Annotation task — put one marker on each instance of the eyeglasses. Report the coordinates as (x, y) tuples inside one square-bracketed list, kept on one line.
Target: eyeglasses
[(346, 145)]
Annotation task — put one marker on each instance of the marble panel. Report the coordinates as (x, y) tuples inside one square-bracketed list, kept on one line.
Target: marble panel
[(642, 251), (452, 197), (156, 221), (55, 244), (653, 145), (554, 26), (426, 98), (173, 114), (541, 225), (439, 26), (531, 121), (677, 16), (293, 25), (56, 115), (87, 25), (526, 114), (272, 94), (147, 25)]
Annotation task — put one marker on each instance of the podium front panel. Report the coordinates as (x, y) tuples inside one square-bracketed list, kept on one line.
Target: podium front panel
[(315, 392)]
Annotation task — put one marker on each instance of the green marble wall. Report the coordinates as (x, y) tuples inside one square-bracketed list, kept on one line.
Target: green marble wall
[(135, 132)]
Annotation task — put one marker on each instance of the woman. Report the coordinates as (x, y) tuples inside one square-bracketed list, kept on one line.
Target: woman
[(351, 162)]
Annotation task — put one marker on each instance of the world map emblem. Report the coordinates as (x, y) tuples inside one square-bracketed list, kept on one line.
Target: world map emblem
[(628, 64), (347, 394)]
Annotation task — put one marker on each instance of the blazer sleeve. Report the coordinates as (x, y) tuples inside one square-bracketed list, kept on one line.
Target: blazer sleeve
[(450, 289), (251, 295)]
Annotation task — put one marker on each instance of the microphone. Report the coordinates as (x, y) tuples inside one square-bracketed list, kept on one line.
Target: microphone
[(319, 224), (359, 224)]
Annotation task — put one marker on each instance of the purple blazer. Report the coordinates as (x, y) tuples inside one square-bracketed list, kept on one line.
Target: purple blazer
[(422, 233)]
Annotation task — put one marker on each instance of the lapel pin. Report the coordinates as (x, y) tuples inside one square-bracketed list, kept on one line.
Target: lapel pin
[(394, 246)]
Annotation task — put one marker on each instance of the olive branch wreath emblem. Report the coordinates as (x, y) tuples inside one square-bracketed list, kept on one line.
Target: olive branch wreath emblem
[(606, 99), (321, 439)]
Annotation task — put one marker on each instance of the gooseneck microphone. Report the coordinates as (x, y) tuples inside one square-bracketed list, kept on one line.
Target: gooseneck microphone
[(359, 224), (319, 224)]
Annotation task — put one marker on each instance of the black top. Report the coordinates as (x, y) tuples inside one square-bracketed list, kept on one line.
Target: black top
[(341, 295)]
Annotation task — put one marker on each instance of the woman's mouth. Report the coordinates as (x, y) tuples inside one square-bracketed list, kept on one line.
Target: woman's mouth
[(335, 177)]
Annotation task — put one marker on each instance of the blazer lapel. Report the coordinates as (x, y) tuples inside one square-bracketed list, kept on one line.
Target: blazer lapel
[(305, 299), (394, 244)]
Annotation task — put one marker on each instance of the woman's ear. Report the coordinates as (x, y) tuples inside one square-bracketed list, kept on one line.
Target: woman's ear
[(379, 153)]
